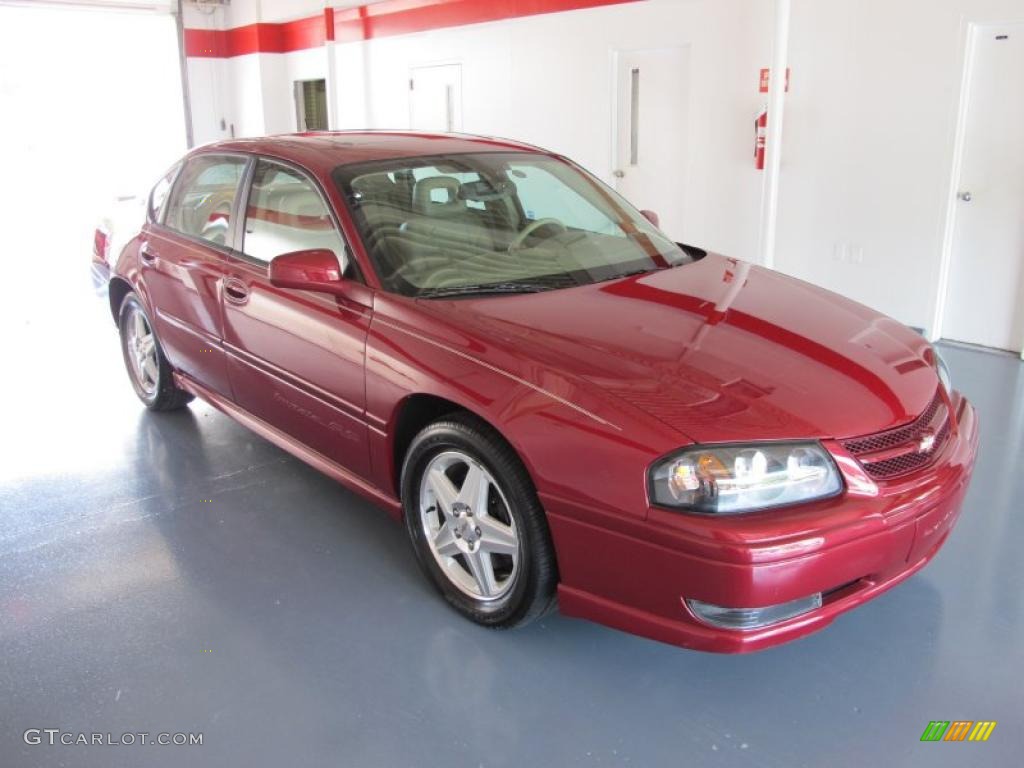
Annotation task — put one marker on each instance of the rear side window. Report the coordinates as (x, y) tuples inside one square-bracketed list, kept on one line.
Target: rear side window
[(286, 213), (158, 197), (201, 203)]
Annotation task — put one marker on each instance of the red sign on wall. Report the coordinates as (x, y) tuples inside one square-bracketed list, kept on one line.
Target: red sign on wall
[(763, 85)]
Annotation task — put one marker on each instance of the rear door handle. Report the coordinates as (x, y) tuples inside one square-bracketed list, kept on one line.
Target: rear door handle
[(148, 255), (235, 290)]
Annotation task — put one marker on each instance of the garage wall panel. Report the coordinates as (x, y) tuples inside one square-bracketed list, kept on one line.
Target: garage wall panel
[(868, 146)]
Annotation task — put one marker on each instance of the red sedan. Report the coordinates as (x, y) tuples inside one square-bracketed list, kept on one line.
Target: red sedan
[(557, 399)]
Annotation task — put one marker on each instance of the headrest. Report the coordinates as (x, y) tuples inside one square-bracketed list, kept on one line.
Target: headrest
[(427, 203), (373, 185)]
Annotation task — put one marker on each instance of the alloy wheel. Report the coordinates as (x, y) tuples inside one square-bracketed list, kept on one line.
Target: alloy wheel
[(468, 526), (140, 344)]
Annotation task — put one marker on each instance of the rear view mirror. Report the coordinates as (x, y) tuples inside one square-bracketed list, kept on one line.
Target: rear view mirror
[(315, 269), (651, 216)]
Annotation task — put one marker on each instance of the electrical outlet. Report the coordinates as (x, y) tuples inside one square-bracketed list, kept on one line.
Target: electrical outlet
[(846, 252)]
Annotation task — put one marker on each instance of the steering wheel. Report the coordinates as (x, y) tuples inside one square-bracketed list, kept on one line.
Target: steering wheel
[(532, 227)]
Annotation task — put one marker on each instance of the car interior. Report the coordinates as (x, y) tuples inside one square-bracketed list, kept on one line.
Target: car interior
[(285, 214), (439, 230)]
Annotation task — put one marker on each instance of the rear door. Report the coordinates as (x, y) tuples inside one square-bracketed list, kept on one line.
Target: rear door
[(184, 259), (296, 358)]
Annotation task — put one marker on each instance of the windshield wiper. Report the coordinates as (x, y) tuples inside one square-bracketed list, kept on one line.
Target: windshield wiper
[(483, 288), (633, 273)]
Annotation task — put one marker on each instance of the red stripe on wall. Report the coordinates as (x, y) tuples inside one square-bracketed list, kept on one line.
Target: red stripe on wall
[(293, 220), (204, 43), (221, 43), (384, 19), (402, 17), (304, 33)]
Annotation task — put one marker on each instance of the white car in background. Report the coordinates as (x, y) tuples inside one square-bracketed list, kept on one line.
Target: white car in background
[(124, 217)]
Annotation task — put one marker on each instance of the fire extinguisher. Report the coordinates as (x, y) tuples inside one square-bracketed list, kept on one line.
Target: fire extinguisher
[(760, 135)]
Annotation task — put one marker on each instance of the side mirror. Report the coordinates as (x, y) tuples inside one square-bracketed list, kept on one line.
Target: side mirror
[(651, 216), (313, 270)]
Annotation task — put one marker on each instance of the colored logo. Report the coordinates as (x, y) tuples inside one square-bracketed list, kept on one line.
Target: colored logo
[(958, 730)]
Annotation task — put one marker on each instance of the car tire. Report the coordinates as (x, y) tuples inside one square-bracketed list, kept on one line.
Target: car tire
[(501, 531), (151, 375)]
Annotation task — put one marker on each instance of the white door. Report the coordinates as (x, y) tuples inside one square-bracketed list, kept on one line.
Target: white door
[(985, 299), (651, 115), (435, 98)]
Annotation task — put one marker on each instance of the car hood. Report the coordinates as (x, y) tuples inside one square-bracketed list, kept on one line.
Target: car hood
[(721, 350)]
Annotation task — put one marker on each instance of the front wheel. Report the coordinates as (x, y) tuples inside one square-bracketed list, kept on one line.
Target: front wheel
[(148, 369), (476, 524)]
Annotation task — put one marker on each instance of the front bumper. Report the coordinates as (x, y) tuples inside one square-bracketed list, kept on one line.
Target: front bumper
[(850, 549)]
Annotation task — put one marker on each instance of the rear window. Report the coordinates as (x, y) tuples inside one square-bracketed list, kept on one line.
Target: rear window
[(203, 197), (158, 197)]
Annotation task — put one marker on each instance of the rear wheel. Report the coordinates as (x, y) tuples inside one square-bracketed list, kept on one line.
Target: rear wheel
[(476, 524), (148, 369)]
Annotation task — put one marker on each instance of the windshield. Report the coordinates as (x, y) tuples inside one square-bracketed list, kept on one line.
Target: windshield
[(497, 222)]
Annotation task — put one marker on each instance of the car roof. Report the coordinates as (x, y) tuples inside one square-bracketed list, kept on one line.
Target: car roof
[(322, 151)]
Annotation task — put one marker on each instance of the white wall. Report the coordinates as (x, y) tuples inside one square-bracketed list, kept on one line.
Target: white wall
[(868, 145), (281, 71), (547, 80), (250, 95), (243, 12), (208, 84)]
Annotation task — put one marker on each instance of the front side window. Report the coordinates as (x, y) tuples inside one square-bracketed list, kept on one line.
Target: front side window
[(496, 222), (158, 196), (286, 213), (203, 197)]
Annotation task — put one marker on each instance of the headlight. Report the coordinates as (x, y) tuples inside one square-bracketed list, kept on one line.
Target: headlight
[(729, 479), (943, 370)]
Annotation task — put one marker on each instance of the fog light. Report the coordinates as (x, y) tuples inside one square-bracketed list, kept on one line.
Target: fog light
[(752, 618)]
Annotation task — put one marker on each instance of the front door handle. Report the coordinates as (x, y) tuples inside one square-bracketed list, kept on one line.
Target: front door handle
[(235, 291), (148, 254)]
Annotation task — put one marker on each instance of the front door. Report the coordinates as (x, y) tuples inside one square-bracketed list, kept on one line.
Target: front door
[(296, 358), (985, 298), (183, 261), (651, 115)]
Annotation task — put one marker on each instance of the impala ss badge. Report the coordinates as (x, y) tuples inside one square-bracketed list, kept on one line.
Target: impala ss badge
[(927, 442)]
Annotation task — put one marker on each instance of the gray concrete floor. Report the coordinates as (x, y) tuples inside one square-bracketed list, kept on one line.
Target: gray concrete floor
[(285, 619)]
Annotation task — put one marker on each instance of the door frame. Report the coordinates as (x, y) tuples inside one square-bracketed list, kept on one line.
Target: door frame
[(614, 57), (452, 107), (970, 35), (299, 97)]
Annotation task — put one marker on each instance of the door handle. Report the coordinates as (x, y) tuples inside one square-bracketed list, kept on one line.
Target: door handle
[(966, 196), (148, 255), (235, 291)]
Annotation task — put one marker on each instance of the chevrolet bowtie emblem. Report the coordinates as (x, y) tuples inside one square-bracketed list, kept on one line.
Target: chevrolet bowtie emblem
[(927, 443)]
